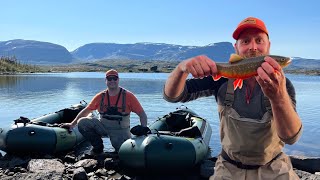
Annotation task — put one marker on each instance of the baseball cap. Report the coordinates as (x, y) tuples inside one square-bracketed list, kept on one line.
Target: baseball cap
[(111, 72), (249, 22)]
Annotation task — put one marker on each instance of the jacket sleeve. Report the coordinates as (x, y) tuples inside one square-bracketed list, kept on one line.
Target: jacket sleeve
[(196, 88)]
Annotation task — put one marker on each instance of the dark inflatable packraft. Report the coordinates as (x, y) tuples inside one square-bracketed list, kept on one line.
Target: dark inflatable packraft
[(42, 134), (177, 141)]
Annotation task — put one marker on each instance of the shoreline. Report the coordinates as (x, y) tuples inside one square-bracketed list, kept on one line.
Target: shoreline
[(313, 73), (107, 166), (143, 66)]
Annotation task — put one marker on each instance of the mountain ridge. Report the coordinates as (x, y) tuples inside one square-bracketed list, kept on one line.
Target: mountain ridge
[(39, 52), (151, 51)]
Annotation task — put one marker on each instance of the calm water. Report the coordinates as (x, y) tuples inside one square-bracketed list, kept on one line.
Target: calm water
[(32, 95)]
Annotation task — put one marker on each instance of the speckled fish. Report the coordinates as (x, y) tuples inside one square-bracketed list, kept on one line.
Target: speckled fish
[(239, 68)]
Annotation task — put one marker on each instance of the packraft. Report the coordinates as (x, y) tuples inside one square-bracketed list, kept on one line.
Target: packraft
[(42, 134), (178, 140)]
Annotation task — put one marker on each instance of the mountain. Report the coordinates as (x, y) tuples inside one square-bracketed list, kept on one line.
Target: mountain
[(152, 51), (35, 52), (301, 63)]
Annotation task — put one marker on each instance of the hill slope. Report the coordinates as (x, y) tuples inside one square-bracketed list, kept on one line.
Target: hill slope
[(35, 52)]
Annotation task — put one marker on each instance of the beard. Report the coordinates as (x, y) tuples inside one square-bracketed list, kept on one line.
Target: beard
[(251, 54)]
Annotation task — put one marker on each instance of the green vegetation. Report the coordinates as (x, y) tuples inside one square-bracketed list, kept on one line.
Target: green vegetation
[(138, 66), (10, 65), (119, 65), (311, 72)]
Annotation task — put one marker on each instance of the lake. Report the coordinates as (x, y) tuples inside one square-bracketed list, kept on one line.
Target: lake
[(33, 95)]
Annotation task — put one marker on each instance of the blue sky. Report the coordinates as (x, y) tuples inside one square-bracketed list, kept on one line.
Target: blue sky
[(294, 26)]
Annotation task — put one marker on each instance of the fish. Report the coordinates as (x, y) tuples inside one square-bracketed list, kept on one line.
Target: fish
[(240, 68)]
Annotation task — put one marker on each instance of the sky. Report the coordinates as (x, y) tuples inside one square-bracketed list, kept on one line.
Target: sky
[(293, 26)]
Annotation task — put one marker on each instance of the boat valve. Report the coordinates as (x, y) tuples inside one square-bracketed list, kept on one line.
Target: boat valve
[(31, 133), (132, 145)]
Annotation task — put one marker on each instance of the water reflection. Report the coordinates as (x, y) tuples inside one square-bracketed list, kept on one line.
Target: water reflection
[(16, 84), (32, 95)]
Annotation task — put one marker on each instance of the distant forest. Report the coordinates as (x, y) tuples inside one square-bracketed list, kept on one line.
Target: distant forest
[(10, 65)]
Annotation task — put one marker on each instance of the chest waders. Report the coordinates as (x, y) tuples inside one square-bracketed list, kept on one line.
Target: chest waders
[(247, 143), (117, 124)]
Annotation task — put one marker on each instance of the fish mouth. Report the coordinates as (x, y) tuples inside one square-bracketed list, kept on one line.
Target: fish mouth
[(288, 62)]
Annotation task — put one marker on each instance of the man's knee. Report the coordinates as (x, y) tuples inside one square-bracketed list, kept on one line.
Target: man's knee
[(84, 124)]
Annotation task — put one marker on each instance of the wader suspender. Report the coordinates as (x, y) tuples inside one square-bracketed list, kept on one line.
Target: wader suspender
[(102, 101), (230, 97), (228, 102), (123, 99)]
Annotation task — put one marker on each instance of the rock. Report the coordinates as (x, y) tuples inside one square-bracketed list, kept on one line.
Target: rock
[(124, 177), (310, 165), (88, 164), (93, 178), (111, 172), (80, 174), (111, 163), (10, 173), (6, 171), (101, 172), (306, 176), (27, 176), (90, 174), (116, 176), (45, 166), (70, 159), (23, 168), (19, 170)]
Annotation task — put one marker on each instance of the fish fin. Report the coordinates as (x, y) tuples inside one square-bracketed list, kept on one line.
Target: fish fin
[(237, 84), (235, 58), (240, 83), (216, 77)]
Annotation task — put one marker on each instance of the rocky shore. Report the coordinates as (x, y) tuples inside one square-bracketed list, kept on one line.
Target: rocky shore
[(106, 166)]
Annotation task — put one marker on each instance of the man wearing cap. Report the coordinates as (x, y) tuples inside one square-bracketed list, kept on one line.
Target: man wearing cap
[(256, 120), (114, 106)]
